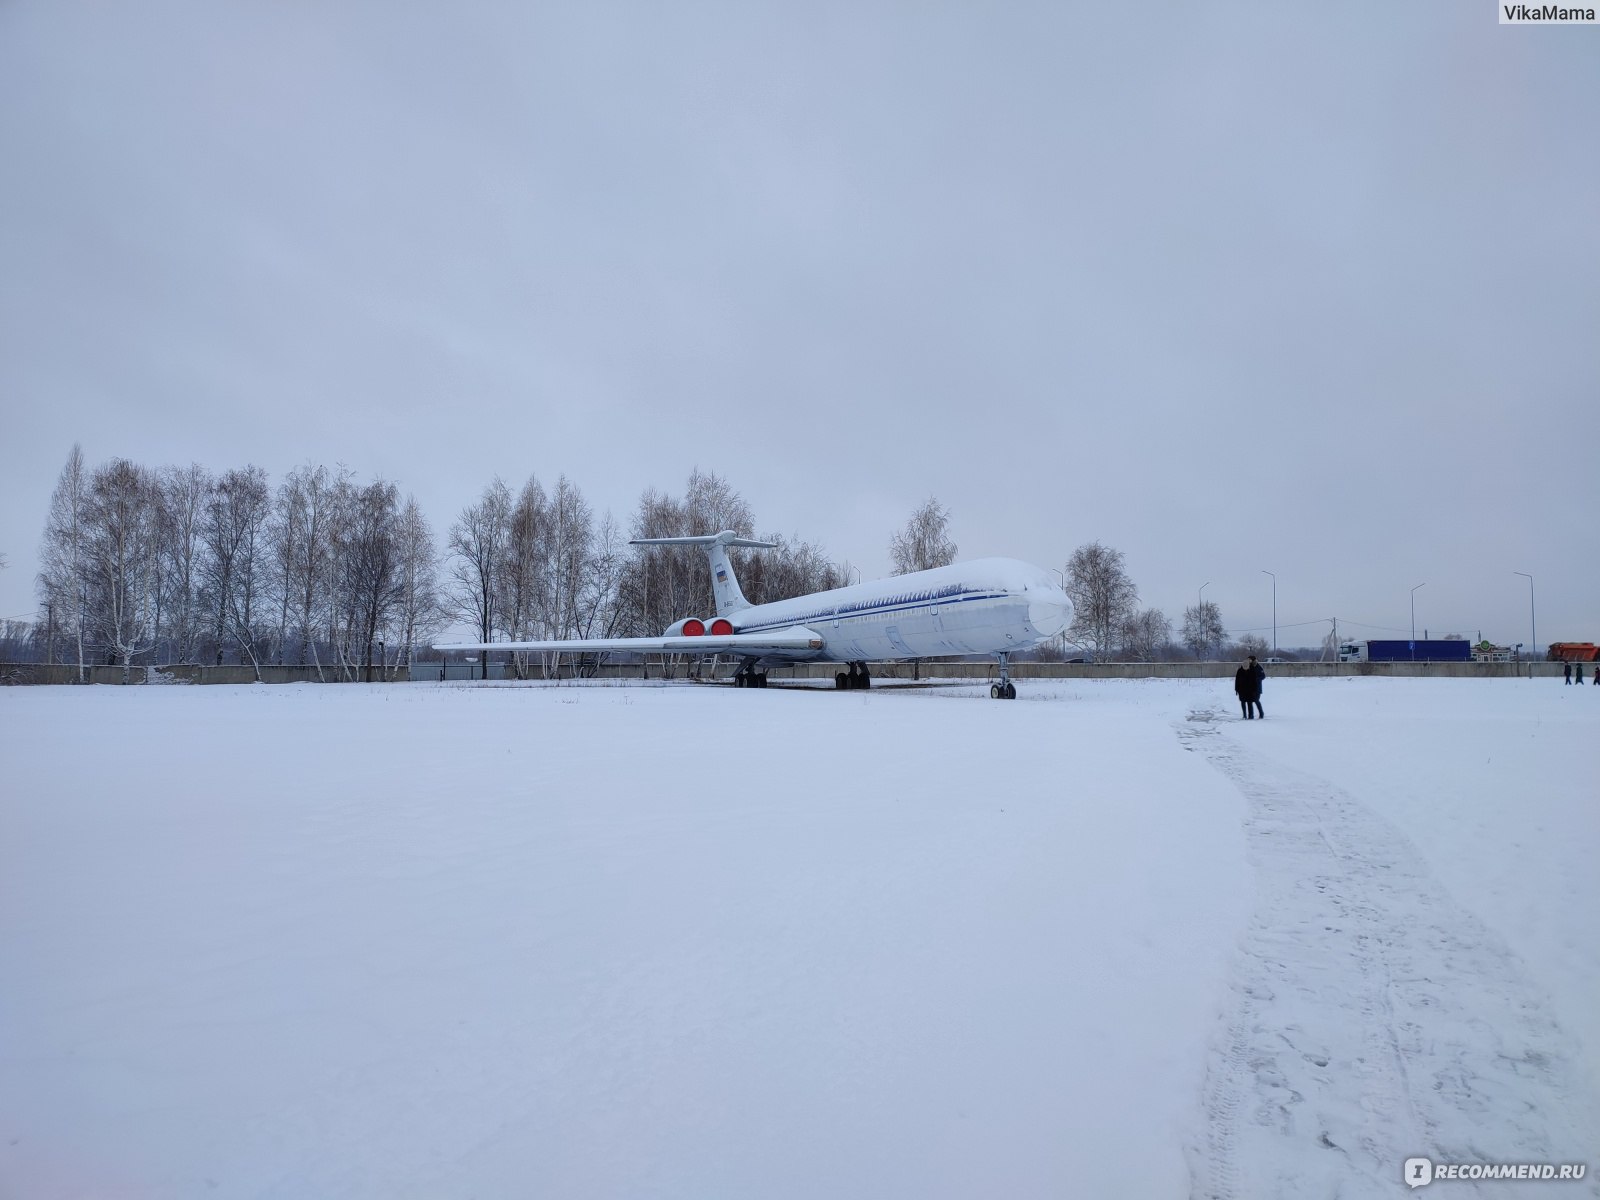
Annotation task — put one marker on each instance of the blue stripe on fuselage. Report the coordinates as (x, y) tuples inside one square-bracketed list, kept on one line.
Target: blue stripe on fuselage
[(888, 606)]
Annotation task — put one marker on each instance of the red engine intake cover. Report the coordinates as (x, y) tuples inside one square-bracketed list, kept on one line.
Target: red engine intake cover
[(721, 627), (694, 627)]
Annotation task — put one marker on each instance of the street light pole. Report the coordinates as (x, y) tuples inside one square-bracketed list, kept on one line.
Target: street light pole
[(1414, 621), (1533, 622), (1274, 610)]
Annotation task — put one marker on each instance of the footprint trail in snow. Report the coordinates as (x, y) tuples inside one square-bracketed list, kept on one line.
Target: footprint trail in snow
[(1373, 1017)]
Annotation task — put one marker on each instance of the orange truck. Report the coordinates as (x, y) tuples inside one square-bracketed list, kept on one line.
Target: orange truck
[(1573, 652)]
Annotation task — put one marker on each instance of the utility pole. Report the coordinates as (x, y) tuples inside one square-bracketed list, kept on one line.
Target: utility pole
[(1533, 622), (1274, 610), (1414, 621)]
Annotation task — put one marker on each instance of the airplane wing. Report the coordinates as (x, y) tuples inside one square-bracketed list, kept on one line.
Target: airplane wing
[(796, 639)]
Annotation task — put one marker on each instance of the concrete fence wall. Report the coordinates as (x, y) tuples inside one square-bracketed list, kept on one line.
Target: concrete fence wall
[(16, 673), (1191, 670), (26, 673)]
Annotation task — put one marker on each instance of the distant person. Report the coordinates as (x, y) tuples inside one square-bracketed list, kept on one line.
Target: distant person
[(1566, 673), (1577, 676), (1247, 686), (1260, 674)]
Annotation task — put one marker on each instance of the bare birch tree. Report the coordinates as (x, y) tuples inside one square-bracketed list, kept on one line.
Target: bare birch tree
[(1252, 643), (234, 534), (925, 542), (1103, 597), (600, 599), (184, 492), (285, 533), (568, 534), (1202, 628), (1143, 635), (711, 504), (340, 607), (478, 549), (372, 567), (520, 579), (121, 552), (305, 506), (419, 581), (61, 578), (657, 590)]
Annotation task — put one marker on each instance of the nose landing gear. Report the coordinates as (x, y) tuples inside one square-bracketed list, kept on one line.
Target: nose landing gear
[(1005, 689)]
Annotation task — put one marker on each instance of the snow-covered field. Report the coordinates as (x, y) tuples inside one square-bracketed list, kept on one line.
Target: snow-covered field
[(679, 941)]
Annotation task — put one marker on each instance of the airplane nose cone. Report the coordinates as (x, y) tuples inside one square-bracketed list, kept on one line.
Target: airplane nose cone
[(1049, 611)]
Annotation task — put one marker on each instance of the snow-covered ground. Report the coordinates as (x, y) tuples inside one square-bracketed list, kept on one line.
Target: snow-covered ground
[(680, 941)]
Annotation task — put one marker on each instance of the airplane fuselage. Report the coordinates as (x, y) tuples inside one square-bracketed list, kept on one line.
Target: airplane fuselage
[(987, 606)]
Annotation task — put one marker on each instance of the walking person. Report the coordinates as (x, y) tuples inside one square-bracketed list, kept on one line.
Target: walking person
[(1247, 686), (1260, 674), (1566, 673), (1578, 675)]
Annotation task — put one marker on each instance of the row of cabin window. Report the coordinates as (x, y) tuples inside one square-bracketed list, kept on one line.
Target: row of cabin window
[(920, 598)]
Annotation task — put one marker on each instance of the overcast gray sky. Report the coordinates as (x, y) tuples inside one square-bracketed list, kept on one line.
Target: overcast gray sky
[(1230, 287)]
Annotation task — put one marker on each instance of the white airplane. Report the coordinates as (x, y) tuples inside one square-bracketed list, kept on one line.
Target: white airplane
[(992, 606)]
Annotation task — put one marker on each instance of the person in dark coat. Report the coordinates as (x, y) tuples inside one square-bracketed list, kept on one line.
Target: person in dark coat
[(1247, 686), (1577, 676), (1566, 673), (1241, 685)]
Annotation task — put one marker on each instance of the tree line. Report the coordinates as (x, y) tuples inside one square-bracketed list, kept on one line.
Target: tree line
[(181, 565), (184, 565)]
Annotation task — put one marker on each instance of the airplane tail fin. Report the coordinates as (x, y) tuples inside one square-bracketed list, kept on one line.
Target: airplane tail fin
[(724, 584)]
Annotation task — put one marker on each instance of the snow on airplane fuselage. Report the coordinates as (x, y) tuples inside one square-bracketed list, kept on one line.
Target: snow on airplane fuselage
[(987, 606)]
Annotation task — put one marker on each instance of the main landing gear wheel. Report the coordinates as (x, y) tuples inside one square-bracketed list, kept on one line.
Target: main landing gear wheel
[(856, 677), (749, 677)]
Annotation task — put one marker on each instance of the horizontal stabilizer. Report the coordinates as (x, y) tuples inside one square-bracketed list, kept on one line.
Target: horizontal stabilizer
[(725, 538)]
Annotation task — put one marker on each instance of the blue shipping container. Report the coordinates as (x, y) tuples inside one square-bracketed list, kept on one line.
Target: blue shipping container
[(1420, 651)]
